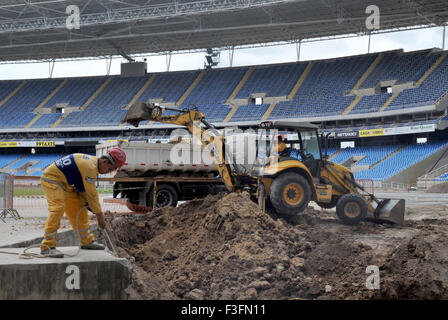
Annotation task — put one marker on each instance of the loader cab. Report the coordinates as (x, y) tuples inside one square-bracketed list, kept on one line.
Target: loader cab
[(311, 151), (302, 142)]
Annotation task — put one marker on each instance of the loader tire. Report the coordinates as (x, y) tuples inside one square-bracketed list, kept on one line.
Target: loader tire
[(290, 194), (351, 209)]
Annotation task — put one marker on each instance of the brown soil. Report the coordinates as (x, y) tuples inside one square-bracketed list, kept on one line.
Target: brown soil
[(222, 247)]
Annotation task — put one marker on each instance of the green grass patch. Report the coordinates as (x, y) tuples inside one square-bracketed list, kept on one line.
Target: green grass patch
[(26, 191), (37, 191)]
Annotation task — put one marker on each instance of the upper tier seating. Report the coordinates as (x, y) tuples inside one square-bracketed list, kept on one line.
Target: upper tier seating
[(326, 90)]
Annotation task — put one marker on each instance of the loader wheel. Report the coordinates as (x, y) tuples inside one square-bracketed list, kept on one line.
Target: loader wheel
[(351, 209), (290, 194), (166, 196)]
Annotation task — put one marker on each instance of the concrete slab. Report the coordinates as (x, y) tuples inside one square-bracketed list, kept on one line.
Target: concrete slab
[(89, 275), (28, 231)]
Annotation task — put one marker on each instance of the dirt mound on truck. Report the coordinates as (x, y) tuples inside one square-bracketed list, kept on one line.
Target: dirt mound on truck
[(222, 247)]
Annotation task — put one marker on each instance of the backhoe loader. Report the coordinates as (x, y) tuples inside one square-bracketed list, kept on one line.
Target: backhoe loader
[(284, 182)]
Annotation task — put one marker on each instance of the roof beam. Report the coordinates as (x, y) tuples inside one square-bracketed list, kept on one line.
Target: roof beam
[(131, 14)]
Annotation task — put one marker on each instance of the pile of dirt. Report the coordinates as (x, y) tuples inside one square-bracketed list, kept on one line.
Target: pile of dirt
[(417, 269), (222, 247)]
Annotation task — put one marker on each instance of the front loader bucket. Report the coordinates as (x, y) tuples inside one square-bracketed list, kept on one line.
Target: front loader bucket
[(137, 112), (389, 210)]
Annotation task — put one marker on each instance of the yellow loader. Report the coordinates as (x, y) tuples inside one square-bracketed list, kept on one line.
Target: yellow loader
[(286, 181)]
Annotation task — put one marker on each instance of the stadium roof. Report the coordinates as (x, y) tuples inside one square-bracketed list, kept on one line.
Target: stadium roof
[(37, 29)]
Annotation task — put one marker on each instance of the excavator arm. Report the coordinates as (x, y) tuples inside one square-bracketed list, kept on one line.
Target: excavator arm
[(192, 119)]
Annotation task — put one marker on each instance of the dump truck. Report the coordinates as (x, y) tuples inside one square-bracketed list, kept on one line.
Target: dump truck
[(181, 171), (284, 182)]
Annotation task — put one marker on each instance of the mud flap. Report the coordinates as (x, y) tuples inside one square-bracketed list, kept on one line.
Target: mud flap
[(389, 210)]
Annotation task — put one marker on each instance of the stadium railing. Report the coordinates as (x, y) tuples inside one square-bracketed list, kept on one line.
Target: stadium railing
[(7, 196)]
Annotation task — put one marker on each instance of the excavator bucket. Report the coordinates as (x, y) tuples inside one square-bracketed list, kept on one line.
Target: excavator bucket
[(389, 210), (137, 112)]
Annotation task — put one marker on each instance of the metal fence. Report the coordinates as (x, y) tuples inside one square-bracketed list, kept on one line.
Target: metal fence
[(30, 201), (367, 184), (7, 197)]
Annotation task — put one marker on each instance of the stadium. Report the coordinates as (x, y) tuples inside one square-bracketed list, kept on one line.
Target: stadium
[(385, 112)]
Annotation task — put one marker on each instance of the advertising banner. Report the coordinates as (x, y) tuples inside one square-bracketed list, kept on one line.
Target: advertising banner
[(38, 144), (352, 134), (371, 133)]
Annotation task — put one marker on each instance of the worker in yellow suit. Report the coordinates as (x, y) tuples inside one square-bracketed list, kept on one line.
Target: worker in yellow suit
[(69, 185)]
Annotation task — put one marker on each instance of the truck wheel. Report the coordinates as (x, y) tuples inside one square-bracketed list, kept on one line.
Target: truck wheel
[(290, 194), (166, 196), (351, 209)]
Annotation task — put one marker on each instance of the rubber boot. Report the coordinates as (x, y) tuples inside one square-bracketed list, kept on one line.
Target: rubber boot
[(52, 253), (93, 246)]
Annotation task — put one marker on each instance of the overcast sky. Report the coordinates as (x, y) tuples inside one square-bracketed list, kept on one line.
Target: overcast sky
[(406, 40)]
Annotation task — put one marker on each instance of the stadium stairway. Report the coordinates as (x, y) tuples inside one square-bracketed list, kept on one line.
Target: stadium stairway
[(231, 113), (13, 93), (388, 156), (426, 162), (300, 81), (334, 154), (293, 92), (7, 167), (268, 112), (140, 92), (44, 102), (235, 92), (360, 82), (431, 70), (187, 92), (191, 88), (97, 92), (367, 73), (388, 102), (418, 83), (240, 85)]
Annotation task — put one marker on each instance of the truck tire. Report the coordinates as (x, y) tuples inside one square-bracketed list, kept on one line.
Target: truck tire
[(166, 196), (351, 209), (290, 194)]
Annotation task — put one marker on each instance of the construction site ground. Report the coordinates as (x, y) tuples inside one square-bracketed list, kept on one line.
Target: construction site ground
[(221, 247)]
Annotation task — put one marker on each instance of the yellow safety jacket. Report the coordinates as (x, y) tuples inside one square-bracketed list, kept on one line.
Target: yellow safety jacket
[(76, 173)]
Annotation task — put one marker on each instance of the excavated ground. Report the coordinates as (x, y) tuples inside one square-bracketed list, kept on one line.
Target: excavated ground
[(221, 247)]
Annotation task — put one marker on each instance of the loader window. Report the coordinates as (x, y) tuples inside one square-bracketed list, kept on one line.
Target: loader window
[(311, 143)]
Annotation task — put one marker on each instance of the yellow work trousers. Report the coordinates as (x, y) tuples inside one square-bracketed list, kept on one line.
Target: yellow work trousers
[(60, 201)]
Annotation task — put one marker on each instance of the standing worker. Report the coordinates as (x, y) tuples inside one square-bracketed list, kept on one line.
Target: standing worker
[(69, 185)]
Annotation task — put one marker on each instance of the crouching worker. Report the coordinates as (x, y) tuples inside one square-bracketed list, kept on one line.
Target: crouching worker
[(69, 185)]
